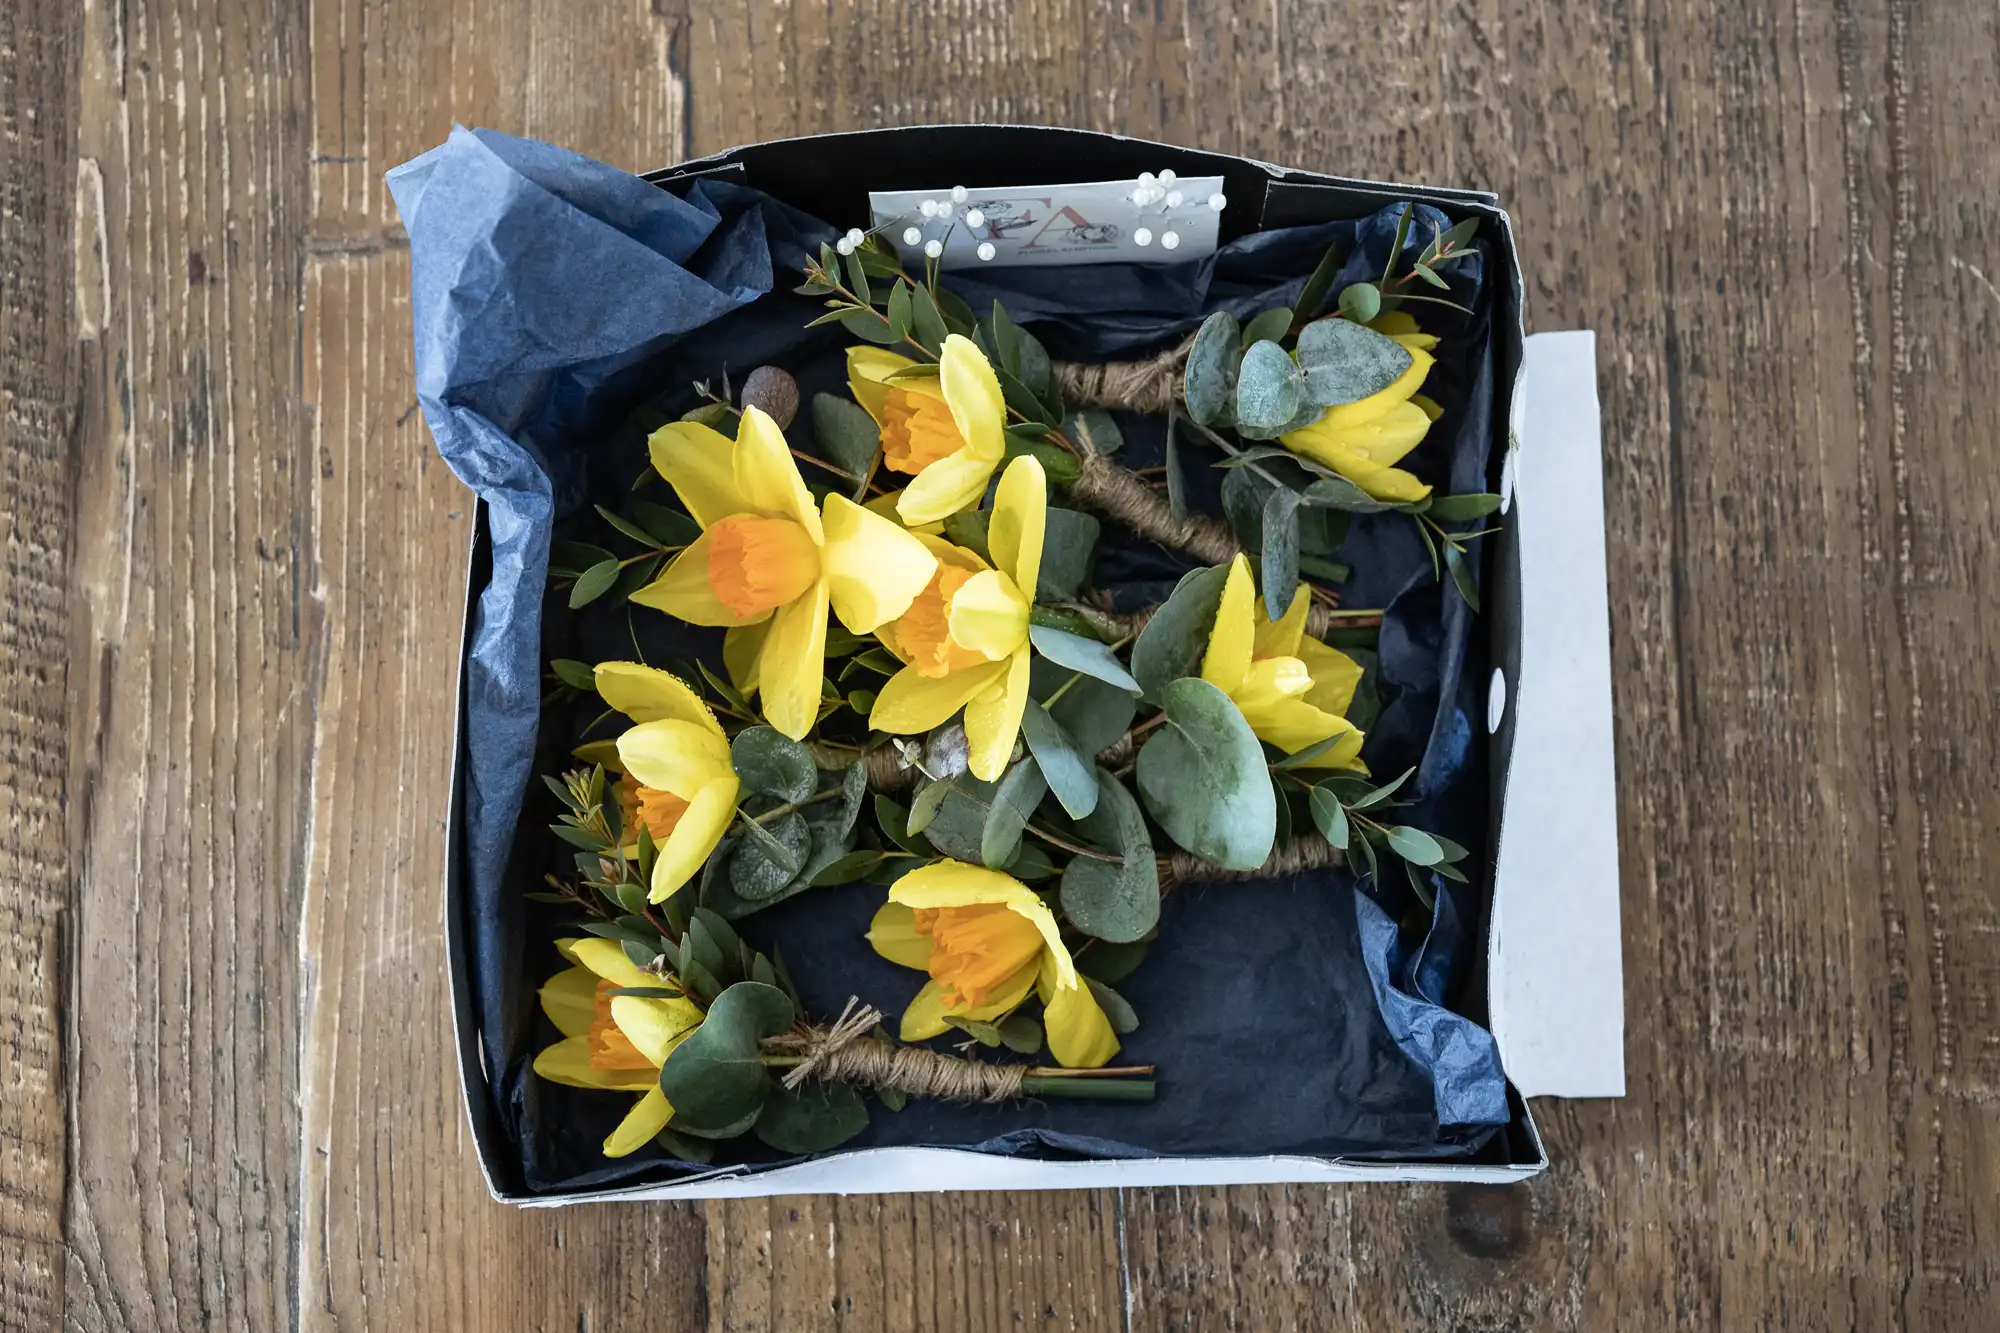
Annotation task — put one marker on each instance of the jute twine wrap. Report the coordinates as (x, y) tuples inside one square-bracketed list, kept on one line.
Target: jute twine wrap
[(886, 769), (838, 1054), (1113, 625), (1298, 855), (1111, 490), (1148, 386)]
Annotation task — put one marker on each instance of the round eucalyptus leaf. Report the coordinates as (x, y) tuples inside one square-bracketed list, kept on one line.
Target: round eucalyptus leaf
[(1021, 790), (1115, 901), (758, 876), (1069, 545), (1094, 712), (773, 764), (847, 435), (716, 1078), (1344, 361), (958, 827), (1361, 301), (1268, 388), (1203, 778), (1174, 640), (815, 1118), (1064, 764), (1211, 369)]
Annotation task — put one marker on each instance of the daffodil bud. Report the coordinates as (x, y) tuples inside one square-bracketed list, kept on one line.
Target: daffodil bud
[(775, 391)]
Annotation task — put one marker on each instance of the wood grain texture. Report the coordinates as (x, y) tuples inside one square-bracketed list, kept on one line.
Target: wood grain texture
[(232, 569)]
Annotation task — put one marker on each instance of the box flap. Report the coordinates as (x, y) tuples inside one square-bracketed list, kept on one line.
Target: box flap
[(1556, 982)]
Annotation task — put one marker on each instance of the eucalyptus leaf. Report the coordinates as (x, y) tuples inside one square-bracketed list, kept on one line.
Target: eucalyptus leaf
[(967, 528), (1020, 1033), (1267, 326), (817, 1117), (572, 558), (1118, 901), (900, 313), (1461, 575), (668, 527), (1463, 508), (894, 822), (1345, 362), (1268, 388), (1090, 710), (593, 583), (868, 326), (1081, 654), (773, 764), (925, 320), (1058, 463), (1174, 641), (1112, 962), (1279, 555), (1035, 371), (1068, 770), (716, 1079), (1210, 384), (1069, 548), (1340, 493), (1330, 816), (1384, 792), (925, 807), (1116, 1009), (1203, 777), (768, 860), (1021, 790), (1244, 494), (847, 435), (852, 866), (1031, 864), (1177, 500), (577, 675), (1095, 429), (1415, 845), (959, 826), (1361, 301)]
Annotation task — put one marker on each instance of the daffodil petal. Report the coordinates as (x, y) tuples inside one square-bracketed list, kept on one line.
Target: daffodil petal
[(868, 369), (793, 661), (1232, 641), (948, 883), (1293, 725), (1335, 676), (874, 569), (1080, 1036), (569, 998), (695, 837), (767, 477), (894, 934), (568, 1062), (1006, 996), (911, 702), (675, 756), (993, 720), (924, 1018), (648, 1116), (953, 483), (654, 1026), (1280, 637), (989, 615), (1386, 439), (697, 463), (648, 694), (1020, 517), (741, 646), (607, 959), (972, 391), (682, 590)]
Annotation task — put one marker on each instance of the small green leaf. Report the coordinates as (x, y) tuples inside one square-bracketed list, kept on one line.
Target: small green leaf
[(1031, 864), (667, 527), (1069, 548), (570, 559), (1345, 362), (1069, 771), (1203, 777), (1020, 1033), (1175, 639), (1382, 793), (1006, 340), (773, 764), (1330, 816), (1177, 503), (925, 807), (577, 675), (867, 326), (1268, 388), (1090, 710), (894, 821), (716, 1078), (1112, 962), (1094, 429), (847, 435), (1013, 806), (1081, 654), (1300, 758), (1361, 301), (1058, 463), (1313, 296), (1461, 576), (857, 276), (1269, 326), (577, 837), (1211, 369), (1415, 845), (1463, 508), (1280, 554), (765, 864), (817, 1117), (900, 313), (1342, 494), (859, 864), (627, 526), (1113, 900), (1116, 1010), (926, 322), (593, 583)]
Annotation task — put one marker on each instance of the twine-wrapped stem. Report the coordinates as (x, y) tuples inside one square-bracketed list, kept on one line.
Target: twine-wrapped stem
[(1149, 385), (1300, 854)]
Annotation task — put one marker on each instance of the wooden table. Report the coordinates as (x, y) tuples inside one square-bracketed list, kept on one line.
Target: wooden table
[(229, 614)]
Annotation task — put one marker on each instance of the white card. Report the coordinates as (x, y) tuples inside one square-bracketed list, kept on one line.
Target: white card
[(1098, 222)]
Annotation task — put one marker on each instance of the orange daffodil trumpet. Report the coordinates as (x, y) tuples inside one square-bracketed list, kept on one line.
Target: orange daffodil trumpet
[(964, 638), (615, 1042), (1291, 689), (678, 780), (1363, 440), (987, 940), (768, 563), (946, 431)]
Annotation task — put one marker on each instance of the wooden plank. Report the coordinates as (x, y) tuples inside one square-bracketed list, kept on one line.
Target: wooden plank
[(37, 416), (396, 1229)]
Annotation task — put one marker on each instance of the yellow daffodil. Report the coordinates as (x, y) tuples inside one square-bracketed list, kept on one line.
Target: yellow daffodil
[(964, 639), (767, 564), (677, 778), (948, 431), (1363, 440), (987, 940), (611, 1041), (1292, 690)]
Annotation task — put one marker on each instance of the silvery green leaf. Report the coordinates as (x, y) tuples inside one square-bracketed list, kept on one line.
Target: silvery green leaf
[(1117, 901), (1211, 369), (1175, 639), (1081, 654), (1069, 771), (1280, 552), (1069, 547), (847, 435), (1345, 362), (1268, 388), (1203, 777), (1020, 791), (1270, 325)]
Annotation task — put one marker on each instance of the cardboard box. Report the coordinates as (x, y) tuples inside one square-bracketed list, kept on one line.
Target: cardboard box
[(1552, 966)]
